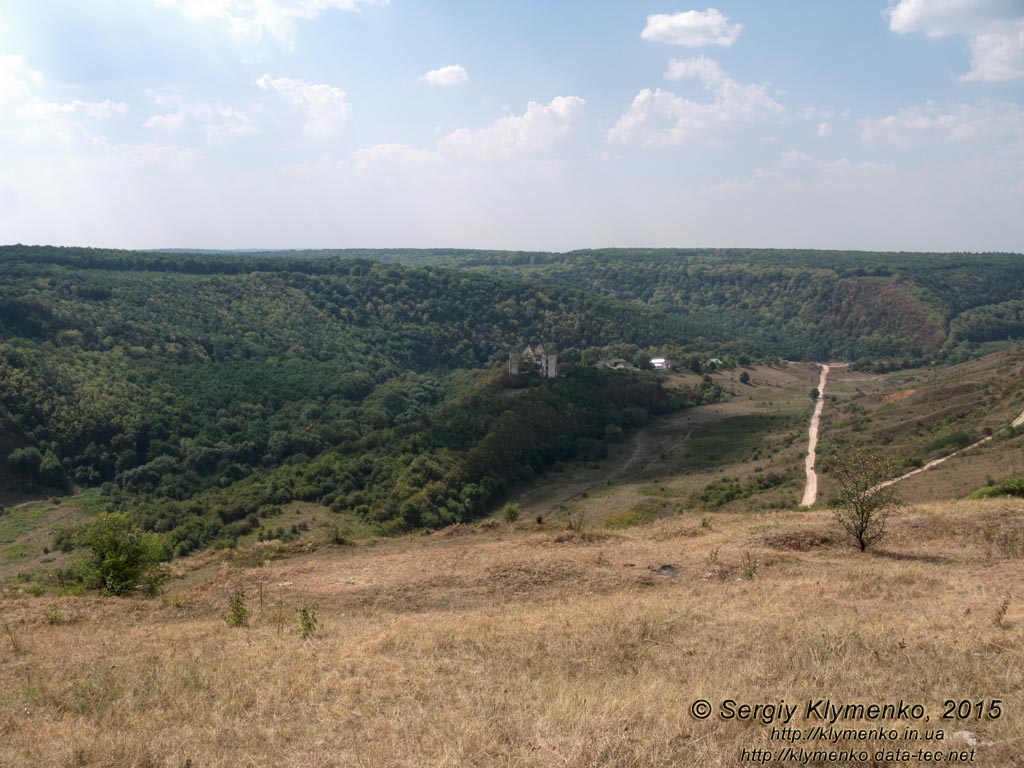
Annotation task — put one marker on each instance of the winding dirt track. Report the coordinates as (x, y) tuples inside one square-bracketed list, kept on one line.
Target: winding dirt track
[(935, 462), (811, 488)]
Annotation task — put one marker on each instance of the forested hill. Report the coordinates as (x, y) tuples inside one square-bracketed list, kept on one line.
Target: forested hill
[(100, 345), (800, 304), (204, 391)]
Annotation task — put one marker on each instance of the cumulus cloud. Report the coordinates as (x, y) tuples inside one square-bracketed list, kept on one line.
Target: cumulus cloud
[(949, 123), (994, 29), (446, 77), (824, 129), (17, 79), (64, 122), (998, 55), (251, 19), (32, 118), (536, 130), (218, 123), (661, 118), (691, 29), (324, 107)]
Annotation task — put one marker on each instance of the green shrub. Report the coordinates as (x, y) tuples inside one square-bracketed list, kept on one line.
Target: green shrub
[(307, 621), (511, 512), (238, 613), (1009, 488), (122, 559)]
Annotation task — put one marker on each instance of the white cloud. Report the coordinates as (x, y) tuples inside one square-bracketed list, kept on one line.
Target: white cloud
[(950, 123), (168, 122), (998, 55), (536, 130), (40, 120), (692, 29), (251, 19), (37, 109), (938, 18), (793, 161), (994, 28), (325, 108), (661, 118), (218, 123), (17, 79), (824, 129), (453, 74)]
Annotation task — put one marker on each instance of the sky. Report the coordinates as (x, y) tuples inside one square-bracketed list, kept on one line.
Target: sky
[(533, 125)]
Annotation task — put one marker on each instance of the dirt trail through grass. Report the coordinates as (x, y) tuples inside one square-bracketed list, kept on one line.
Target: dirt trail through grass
[(811, 489), (935, 462)]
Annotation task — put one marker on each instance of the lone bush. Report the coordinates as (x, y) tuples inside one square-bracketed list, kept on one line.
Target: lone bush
[(863, 504), (307, 621), (511, 512), (238, 613), (122, 558)]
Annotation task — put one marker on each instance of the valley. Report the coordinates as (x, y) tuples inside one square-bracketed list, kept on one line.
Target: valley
[(646, 546), (418, 384)]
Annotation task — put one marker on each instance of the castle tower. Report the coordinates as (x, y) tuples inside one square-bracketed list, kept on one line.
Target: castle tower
[(513, 363), (549, 366)]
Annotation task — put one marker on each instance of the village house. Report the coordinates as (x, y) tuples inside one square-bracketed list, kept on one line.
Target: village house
[(616, 364)]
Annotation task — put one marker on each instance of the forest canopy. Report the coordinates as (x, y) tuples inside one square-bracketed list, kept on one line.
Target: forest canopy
[(201, 391)]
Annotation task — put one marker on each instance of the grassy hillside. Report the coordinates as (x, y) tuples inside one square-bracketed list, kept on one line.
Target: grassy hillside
[(527, 645), (920, 415)]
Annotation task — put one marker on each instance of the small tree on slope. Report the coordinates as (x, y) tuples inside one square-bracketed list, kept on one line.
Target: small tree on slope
[(862, 506)]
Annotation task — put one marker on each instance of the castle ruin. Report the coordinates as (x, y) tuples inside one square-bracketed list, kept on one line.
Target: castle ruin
[(545, 362)]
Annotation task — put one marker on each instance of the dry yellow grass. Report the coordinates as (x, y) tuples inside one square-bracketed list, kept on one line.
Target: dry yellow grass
[(526, 647)]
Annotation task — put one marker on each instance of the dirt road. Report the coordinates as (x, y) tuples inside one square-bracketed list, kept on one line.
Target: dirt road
[(811, 488), (935, 462)]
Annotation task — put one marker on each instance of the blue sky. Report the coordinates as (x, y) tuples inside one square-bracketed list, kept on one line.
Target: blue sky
[(521, 125)]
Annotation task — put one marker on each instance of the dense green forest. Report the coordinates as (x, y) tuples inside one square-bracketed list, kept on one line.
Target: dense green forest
[(801, 305), (202, 391)]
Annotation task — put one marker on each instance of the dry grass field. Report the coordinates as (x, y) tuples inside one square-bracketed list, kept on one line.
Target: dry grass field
[(498, 645)]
